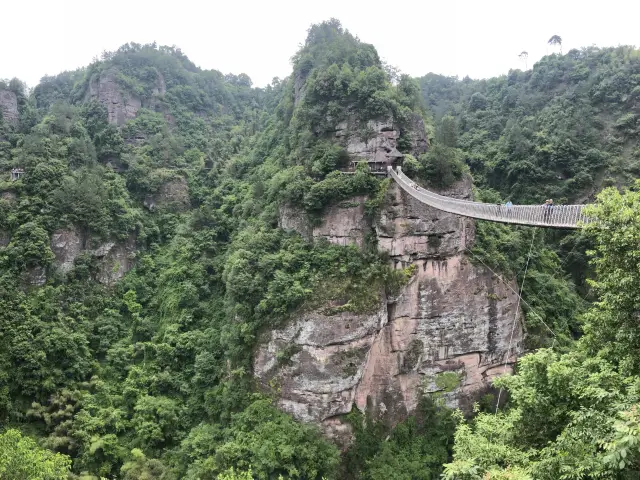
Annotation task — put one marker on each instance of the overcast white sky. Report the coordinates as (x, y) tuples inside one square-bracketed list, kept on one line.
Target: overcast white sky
[(453, 37)]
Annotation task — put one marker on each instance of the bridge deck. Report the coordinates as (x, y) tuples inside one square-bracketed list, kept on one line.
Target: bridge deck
[(561, 216)]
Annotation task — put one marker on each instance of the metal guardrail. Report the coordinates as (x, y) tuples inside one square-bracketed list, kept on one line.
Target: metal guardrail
[(559, 216)]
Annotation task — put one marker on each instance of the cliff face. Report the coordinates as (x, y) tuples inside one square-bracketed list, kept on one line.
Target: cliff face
[(121, 105), (342, 224), (115, 258), (381, 143), (452, 316), (381, 147), (172, 195), (9, 106)]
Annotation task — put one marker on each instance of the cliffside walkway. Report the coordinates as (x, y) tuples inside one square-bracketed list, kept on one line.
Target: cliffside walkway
[(561, 216)]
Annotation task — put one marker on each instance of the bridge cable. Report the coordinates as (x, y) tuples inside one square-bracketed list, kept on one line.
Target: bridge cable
[(575, 244), (515, 318), (581, 297), (531, 309)]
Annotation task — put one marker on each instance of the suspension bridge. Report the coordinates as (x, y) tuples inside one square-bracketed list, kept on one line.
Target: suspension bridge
[(559, 216)]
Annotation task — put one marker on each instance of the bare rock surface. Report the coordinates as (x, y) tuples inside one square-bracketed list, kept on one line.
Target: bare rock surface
[(66, 246), (299, 84), (121, 106), (452, 316), (378, 144), (344, 223), (410, 230), (293, 219), (116, 258), (419, 141), (9, 106), (173, 195), (325, 361)]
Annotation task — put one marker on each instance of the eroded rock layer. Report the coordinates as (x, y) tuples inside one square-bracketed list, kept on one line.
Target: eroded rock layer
[(452, 316)]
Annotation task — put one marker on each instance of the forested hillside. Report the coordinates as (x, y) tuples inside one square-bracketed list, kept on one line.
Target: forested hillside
[(564, 130), (142, 258)]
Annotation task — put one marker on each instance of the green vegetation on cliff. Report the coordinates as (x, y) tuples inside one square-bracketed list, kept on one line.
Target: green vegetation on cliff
[(573, 415), (151, 376), (563, 130)]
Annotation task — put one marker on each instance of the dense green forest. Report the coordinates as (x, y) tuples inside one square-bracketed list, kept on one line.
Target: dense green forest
[(150, 377)]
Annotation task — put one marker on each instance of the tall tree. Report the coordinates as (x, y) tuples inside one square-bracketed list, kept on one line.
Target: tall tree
[(447, 131), (556, 40), (21, 457), (524, 55)]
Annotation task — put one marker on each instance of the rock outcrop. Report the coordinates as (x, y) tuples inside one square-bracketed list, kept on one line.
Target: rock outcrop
[(172, 195), (299, 84), (452, 316), (419, 140), (121, 105), (293, 219), (410, 230), (66, 246), (343, 224), (318, 362), (9, 106), (379, 144), (116, 259)]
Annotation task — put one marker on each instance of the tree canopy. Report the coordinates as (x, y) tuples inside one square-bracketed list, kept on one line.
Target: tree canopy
[(148, 374)]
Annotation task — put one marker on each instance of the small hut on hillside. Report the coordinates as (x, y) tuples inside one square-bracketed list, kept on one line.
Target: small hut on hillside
[(16, 174)]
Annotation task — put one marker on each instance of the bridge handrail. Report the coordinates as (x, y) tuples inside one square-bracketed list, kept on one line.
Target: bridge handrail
[(560, 216)]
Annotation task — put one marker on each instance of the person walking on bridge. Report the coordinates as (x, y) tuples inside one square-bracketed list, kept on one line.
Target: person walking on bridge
[(508, 205), (548, 210)]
